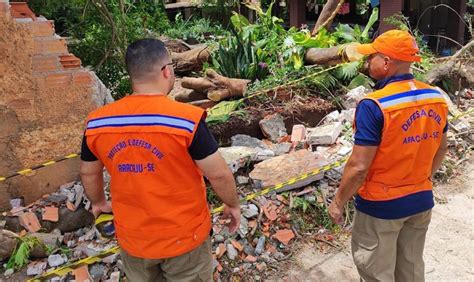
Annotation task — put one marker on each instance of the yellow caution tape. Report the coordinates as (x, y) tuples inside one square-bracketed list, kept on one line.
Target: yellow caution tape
[(61, 271), (27, 171)]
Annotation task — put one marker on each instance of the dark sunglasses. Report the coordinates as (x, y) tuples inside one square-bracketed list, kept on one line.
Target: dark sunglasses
[(168, 64)]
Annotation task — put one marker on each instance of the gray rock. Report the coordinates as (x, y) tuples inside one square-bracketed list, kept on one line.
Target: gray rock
[(236, 270), (56, 198), (273, 126), (51, 240), (324, 135), (280, 149), (242, 180), (244, 227), (110, 259), (265, 257), (260, 245), (278, 255), (354, 96), (250, 211), (247, 141), (36, 268), (57, 260), (249, 250), (231, 252), (219, 238), (97, 271), (7, 244), (9, 272)]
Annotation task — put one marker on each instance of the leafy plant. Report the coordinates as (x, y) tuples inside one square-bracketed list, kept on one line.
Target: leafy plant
[(21, 254), (237, 57), (224, 110), (198, 29)]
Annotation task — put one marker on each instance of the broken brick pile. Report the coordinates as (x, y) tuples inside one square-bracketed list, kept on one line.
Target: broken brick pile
[(45, 96)]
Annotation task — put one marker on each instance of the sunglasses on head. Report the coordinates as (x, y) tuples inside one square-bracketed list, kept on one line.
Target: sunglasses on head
[(168, 64)]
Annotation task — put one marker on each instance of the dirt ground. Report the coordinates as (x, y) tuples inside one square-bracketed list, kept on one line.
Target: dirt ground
[(448, 251)]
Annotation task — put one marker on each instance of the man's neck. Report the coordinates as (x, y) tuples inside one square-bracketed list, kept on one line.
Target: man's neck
[(150, 90)]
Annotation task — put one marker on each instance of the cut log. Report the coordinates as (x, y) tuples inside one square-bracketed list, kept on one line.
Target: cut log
[(323, 56), (236, 86), (199, 84), (217, 95), (189, 96), (205, 103), (191, 60)]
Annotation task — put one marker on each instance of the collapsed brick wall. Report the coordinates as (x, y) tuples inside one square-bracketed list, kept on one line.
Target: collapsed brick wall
[(45, 96)]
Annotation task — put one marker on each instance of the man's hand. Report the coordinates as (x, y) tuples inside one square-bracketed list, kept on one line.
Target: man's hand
[(336, 213), (234, 215), (102, 207)]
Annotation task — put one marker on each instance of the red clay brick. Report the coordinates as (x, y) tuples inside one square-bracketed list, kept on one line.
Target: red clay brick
[(70, 61), (21, 10), (50, 45), (43, 28), (61, 80), (82, 78), (45, 63)]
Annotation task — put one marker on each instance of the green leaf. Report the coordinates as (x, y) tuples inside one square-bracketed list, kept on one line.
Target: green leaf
[(222, 112), (374, 17), (239, 21), (348, 70), (361, 80)]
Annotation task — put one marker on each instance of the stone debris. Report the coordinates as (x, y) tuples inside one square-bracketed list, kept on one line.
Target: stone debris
[(242, 180), (282, 168), (231, 252), (273, 127), (354, 96), (250, 211), (56, 260), (247, 141), (324, 135), (36, 268)]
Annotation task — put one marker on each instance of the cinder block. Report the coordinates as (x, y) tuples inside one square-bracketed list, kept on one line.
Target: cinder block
[(43, 28), (324, 135), (50, 45), (61, 80), (45, 63)]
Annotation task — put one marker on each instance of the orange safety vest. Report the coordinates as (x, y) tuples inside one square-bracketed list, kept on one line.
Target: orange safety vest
[(158, 193), (414, 118)]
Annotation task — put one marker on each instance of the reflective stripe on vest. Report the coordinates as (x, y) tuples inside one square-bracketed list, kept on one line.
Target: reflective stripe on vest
[(158, 193), (415, 115)]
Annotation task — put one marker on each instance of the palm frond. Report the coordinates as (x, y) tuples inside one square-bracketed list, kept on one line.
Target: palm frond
[(348, 70)]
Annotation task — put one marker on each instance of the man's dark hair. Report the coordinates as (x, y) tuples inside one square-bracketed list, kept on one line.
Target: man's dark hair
[(143, 56)]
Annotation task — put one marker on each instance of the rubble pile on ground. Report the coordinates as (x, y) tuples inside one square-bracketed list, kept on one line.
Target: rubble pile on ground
[(270, 223)]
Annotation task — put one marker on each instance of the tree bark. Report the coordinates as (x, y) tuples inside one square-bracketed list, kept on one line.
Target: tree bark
[(322, 56), (328, 13), (191, 60)]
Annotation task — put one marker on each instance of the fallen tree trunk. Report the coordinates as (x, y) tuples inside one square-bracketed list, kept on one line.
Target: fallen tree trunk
[(322, 56), (191, 60), (200, 84), (328, 13), (189, 96), (216, 86), (237, 87), (205, 103), (456, 67)]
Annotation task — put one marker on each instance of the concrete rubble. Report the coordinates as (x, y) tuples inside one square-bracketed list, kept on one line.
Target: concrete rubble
[(270, 223)]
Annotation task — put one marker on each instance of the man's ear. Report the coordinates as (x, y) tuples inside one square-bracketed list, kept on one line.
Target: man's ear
[(166, 72)]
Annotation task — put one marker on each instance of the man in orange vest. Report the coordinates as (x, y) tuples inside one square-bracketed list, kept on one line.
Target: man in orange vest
[(400, 142), (157, 151)]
